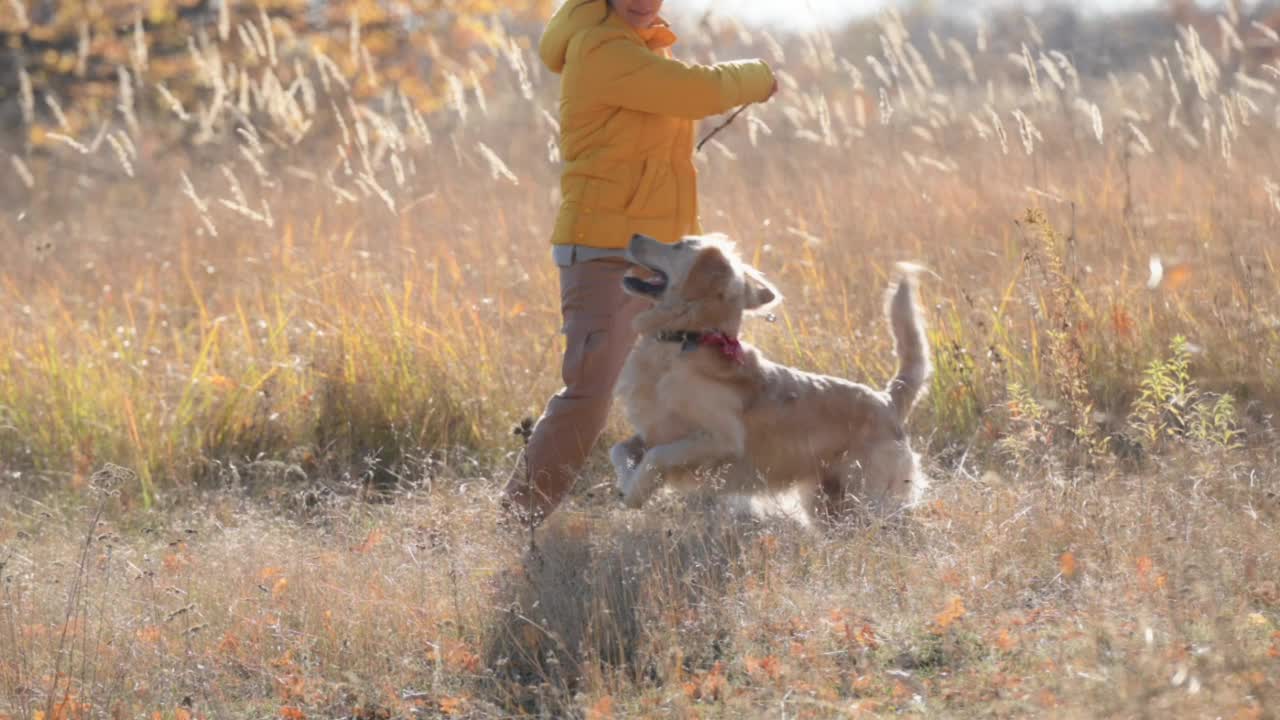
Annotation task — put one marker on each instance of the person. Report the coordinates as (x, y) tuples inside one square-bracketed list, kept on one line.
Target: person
[(627, 112)]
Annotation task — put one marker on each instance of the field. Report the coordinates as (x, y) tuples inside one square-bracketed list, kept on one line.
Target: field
[(265, 344)]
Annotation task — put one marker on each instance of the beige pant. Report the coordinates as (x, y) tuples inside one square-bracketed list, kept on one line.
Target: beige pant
[(598, 336)]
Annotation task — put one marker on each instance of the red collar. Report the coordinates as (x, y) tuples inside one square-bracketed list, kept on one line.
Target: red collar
[(728, 346)]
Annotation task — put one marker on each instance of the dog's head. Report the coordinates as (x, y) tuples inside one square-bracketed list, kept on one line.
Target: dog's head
[(698, 283)]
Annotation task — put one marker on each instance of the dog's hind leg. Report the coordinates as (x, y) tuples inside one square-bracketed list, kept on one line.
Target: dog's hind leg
[(889, 478), (828, 498), (831, 496)]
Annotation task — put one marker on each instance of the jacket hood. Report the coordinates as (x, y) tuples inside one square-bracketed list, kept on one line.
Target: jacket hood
[(575, 16)]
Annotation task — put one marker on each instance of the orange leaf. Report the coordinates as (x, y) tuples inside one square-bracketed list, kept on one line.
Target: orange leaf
[(1249, 712), (768, 666), (222, 382), (288, 712), (281, 585), (709, 686), (1067, 564), (772, 666), (371, 540), (181, 714), (1122, 322), (1177, 275), (713, 684), (452, 705), (1005, 641), (269, 572), (1144, 564), (1002, 680), (601, 709), (173, 562), (458, 655), (1048, 699), (291, 686), (149, 634), (953, 611), (867, 637), (1170, 276), (285, 661), (230, 643)]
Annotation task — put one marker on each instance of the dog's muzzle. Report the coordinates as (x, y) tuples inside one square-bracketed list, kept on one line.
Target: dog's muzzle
[(652, 286), (649, 286)]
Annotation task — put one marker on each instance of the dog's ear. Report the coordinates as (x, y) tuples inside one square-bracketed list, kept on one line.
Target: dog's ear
[(762, 296), (710, 275)]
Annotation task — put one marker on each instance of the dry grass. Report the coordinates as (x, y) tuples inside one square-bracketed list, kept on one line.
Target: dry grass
[(1154, 594), (265, 333)]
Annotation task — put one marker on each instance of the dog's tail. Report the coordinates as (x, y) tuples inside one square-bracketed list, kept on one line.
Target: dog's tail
[(909, 341)]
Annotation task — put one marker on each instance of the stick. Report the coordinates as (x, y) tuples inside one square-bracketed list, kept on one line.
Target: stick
[(721, 126)]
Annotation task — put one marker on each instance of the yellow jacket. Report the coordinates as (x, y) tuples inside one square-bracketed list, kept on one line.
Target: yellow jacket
[(627, 112)]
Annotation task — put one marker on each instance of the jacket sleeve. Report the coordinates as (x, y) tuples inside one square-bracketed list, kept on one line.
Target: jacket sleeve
[(628, 75)]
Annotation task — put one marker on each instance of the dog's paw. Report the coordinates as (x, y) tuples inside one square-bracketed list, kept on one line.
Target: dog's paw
[(633, 500), (623, 458), (628, 490), (623, 483), (638, 487)]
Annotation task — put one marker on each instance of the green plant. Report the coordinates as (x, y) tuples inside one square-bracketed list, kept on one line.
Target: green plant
[(1065, 307), (1027, 433), (1171, 406)]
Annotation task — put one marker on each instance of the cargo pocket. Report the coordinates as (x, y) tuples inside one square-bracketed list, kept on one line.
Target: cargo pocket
[(584, 356)]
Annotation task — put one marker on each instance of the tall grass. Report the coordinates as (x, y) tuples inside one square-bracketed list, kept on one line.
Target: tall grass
[(374, 284)]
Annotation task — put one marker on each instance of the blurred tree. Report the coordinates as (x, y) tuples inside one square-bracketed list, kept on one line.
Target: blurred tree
[(67, 64)]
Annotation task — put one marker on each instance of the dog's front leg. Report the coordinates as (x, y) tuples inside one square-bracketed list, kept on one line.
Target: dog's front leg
[(699, 449), (625, 457)]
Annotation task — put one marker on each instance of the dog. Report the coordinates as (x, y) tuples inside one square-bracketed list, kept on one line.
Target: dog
[(703, 403)]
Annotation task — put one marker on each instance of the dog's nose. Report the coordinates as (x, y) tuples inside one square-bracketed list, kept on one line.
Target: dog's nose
[(637, 245)]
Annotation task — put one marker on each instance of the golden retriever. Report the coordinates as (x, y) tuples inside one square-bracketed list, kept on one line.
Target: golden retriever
[(701, 401)]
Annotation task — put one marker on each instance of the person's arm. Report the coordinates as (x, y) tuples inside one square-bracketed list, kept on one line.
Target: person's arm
[(627, 75)]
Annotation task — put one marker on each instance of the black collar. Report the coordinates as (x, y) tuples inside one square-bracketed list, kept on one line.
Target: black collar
[(687, 339)]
